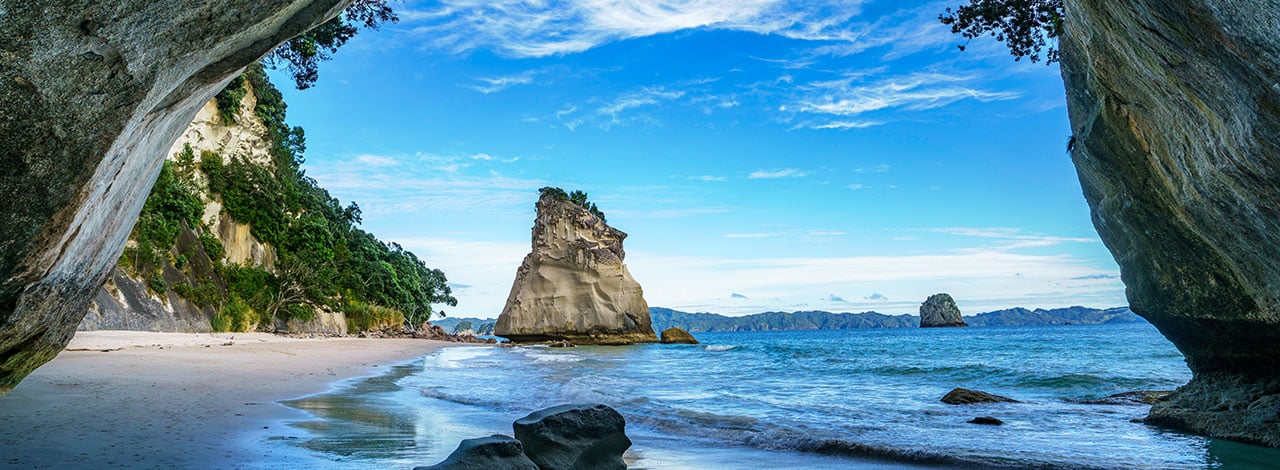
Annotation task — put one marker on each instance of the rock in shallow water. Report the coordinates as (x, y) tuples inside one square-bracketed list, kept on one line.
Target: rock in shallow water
[(675, 335), (986, 420), (496, 452), (578, 437), (964, 396)]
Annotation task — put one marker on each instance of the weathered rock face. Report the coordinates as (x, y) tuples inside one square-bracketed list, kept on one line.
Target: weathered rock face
[(573, 285), (1175, 109), (940, 310), (964, 396), (93, 94)]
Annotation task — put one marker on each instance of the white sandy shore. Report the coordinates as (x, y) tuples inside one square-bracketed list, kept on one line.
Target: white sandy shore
[(129, 399)]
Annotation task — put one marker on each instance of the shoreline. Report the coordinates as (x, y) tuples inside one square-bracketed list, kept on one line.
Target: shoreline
[(187, 400)]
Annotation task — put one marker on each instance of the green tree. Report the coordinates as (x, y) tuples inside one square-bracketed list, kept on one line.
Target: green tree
[(1027, 27), (302, 55)]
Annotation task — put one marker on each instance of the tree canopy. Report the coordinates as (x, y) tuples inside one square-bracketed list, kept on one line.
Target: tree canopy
[(577, 197), (1028, 27), (302, 55)]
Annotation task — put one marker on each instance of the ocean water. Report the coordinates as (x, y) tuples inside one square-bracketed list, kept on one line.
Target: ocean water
[(804, 399)]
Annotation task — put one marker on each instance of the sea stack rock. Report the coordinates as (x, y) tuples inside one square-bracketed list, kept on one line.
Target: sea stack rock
[(940, 310), (573, 285), (1175, 112)]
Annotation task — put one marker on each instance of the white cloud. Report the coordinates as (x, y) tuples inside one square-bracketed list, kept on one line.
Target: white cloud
[(782, 173), (376, 160), (827, 233), (857, 186), (709, 178), (915, 92), (523, 28), (647, 96), (496, 84), (1013, 237), (846, 125)]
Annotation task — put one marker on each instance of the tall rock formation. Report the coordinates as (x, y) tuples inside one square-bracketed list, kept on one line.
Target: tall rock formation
[(573, 285), (92, 94), (940, 310), (1175, 109)]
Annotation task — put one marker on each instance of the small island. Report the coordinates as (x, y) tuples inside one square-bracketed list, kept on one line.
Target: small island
[(940, 311), (573, 285)]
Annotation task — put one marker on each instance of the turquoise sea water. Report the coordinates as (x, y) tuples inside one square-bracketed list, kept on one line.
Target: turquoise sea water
[(807, 399)]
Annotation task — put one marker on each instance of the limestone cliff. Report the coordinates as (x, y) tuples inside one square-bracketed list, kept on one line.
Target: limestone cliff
[(573, 285), (940, 310), (1175, 109), (94, 93)]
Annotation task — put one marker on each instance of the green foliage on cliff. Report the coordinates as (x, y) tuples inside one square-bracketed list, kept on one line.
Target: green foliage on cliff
[(172, 204), (577, 197), (229, 99), (1028, 27)]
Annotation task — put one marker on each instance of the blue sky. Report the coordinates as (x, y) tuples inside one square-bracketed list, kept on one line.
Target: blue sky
[(762, 155)]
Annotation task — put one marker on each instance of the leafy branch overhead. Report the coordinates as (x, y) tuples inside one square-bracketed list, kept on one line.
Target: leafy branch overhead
[(302, 55), (1028, 27), (577, 197)]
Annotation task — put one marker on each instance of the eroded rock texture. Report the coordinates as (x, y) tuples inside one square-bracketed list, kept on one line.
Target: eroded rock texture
[(573, 285), (1175, 107), (92, 94), (940, 310)]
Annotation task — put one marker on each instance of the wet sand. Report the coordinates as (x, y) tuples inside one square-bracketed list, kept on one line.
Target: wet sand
[(124, 399)]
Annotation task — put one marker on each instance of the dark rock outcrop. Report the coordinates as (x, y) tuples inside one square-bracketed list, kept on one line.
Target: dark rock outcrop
[(496, 452), (940, 310), (578, 437), (987, 420), (964, 396), (93, 94), (1175, 111), (573, 285), (1137, 397), (675, 335)]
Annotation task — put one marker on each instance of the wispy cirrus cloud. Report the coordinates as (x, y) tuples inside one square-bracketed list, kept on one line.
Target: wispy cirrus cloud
[(1014, 238), (520, 28), (852, 96), (778, 173), (489, 85)]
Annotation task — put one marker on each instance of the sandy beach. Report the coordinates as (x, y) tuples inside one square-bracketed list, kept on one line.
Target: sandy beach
[(129, 399)]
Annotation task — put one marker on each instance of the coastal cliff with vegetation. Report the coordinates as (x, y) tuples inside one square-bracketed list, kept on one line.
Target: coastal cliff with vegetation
[(235, 237), (573, 284)]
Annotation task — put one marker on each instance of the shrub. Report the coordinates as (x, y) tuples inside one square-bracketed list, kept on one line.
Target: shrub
[(235, 315)]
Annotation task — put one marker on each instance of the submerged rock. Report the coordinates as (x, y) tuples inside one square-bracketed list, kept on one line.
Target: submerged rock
[(581, 437), (1175, 113), (573, 285), (940, 310), (987, 420), (675, 335), (1137, 397), (964, 396), (496, 452)]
